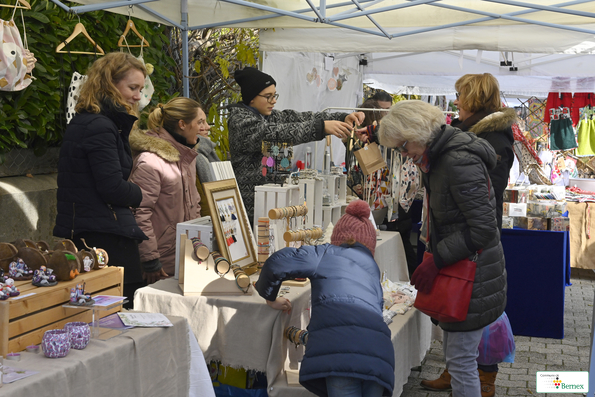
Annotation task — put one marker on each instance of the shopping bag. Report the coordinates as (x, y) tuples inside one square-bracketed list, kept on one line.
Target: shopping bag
[(449, 299), (497, 343), (13, 61), (370, 159)]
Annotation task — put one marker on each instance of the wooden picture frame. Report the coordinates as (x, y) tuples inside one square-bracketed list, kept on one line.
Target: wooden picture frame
[(234, 237)]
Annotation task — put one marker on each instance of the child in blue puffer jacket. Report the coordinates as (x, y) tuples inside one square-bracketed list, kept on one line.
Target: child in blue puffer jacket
[(349, 351)]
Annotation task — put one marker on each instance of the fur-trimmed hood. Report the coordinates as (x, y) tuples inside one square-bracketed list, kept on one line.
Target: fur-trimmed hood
[(497, 121), (159, 143)]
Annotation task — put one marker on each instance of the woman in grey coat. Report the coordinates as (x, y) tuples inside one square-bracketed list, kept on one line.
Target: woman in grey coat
[(463, 207)]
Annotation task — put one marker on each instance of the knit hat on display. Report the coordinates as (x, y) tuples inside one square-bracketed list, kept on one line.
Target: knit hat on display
[(355, 224), (252, 81)]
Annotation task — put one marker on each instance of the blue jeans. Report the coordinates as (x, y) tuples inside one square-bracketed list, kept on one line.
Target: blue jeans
[(460, 352), (342, 386)]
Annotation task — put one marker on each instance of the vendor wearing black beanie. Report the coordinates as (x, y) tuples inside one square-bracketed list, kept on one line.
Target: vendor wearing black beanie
[(252, 81), (254, 120)]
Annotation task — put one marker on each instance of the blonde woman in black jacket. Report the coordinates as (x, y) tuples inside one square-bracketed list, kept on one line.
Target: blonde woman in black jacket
[(94, 195)]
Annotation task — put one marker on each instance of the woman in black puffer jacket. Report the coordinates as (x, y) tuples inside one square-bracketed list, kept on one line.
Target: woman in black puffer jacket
[(94, 195), (463, 206), (481, 112)]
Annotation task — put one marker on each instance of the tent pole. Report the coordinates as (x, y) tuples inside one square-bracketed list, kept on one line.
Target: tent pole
[(185, 61)]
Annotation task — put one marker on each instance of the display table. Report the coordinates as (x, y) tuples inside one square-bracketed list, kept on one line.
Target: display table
[(142, 362), (243, 332), (538, 268)]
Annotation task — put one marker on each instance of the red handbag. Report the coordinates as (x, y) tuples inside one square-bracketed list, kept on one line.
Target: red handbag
[(448, 301)]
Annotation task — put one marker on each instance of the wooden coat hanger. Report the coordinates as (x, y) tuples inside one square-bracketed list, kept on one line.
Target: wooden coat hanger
[(130, 26), (78, 29), (24, 4)]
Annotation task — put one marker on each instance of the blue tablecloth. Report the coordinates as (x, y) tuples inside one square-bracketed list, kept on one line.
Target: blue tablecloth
[(538, 267)]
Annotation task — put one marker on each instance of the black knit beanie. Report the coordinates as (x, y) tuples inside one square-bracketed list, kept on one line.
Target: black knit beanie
[(252, 81)]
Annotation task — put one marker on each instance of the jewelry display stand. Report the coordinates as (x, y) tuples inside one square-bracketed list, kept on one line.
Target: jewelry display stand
[(98, 332), (200, 278)]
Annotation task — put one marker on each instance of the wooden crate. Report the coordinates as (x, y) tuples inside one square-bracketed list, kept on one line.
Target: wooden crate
[(23, 321)]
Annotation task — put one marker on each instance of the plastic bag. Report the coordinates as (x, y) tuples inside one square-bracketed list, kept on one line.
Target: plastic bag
[(497, 343)]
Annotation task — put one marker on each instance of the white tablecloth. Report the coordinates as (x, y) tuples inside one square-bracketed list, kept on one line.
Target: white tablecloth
[(390, 256), (144, 362), (239, 331)]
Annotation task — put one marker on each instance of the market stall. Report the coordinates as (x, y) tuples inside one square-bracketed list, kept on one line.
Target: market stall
[(243, 332)]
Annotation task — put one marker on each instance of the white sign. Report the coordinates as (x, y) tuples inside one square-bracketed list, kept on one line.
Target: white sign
[(562, 382)]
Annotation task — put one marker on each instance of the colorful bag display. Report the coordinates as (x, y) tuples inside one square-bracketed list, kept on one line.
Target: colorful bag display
[(449, 299), (13, 58)]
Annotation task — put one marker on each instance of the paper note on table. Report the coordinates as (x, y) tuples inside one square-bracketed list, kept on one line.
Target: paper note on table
[(107, 300), (113, 321), (11, 374), (145, 319)]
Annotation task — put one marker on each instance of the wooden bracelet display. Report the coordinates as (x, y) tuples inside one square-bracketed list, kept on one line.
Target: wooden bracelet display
[(302, 234)]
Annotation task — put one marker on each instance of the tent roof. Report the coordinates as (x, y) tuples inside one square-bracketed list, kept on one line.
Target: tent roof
[(374, 17)]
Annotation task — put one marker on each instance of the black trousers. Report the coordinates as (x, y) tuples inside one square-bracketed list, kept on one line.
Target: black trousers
[(122, 251), (403, 225)]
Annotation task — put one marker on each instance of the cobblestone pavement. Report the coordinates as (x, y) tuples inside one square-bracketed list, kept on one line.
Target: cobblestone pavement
[(532, 354)]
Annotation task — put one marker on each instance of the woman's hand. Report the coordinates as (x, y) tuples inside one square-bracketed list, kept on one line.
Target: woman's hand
[(423, 277), (153, 277), (362, 134), (280, 304), (355, 118), (340, 129)]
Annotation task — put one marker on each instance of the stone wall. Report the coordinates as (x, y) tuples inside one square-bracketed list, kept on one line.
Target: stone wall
[(28, 207)]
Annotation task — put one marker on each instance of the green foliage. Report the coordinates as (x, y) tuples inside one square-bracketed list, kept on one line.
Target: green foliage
[(35, 117)]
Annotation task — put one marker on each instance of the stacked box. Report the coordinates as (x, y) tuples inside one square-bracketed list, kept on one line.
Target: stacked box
[(559, 208), (531, 223), (516, 195), (546, 208), (507, 222), (540, 209), (560, 224), (514, 209)]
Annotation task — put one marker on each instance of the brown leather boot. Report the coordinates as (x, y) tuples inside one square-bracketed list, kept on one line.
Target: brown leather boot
[(440, 384), (488, 380)]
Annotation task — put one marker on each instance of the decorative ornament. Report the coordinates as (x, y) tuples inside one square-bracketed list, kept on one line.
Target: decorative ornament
[(150, 68)]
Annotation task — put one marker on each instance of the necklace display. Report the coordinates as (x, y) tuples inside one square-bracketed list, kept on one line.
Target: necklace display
[(276, 158)]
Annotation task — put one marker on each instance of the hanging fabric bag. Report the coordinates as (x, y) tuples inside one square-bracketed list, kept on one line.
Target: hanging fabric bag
[(148, 88), (13, 60)]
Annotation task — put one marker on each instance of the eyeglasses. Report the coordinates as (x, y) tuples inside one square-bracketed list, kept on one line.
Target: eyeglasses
[(270, 98), (402, 148), (458, 95)]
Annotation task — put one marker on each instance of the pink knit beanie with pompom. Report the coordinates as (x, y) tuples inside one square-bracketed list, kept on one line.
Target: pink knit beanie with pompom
[(355, 224)]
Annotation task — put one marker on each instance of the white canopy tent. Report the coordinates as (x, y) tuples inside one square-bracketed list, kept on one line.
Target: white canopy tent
[(372, 26)]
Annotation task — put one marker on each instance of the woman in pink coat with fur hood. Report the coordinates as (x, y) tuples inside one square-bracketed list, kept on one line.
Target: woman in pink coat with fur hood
[(165, 170)]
